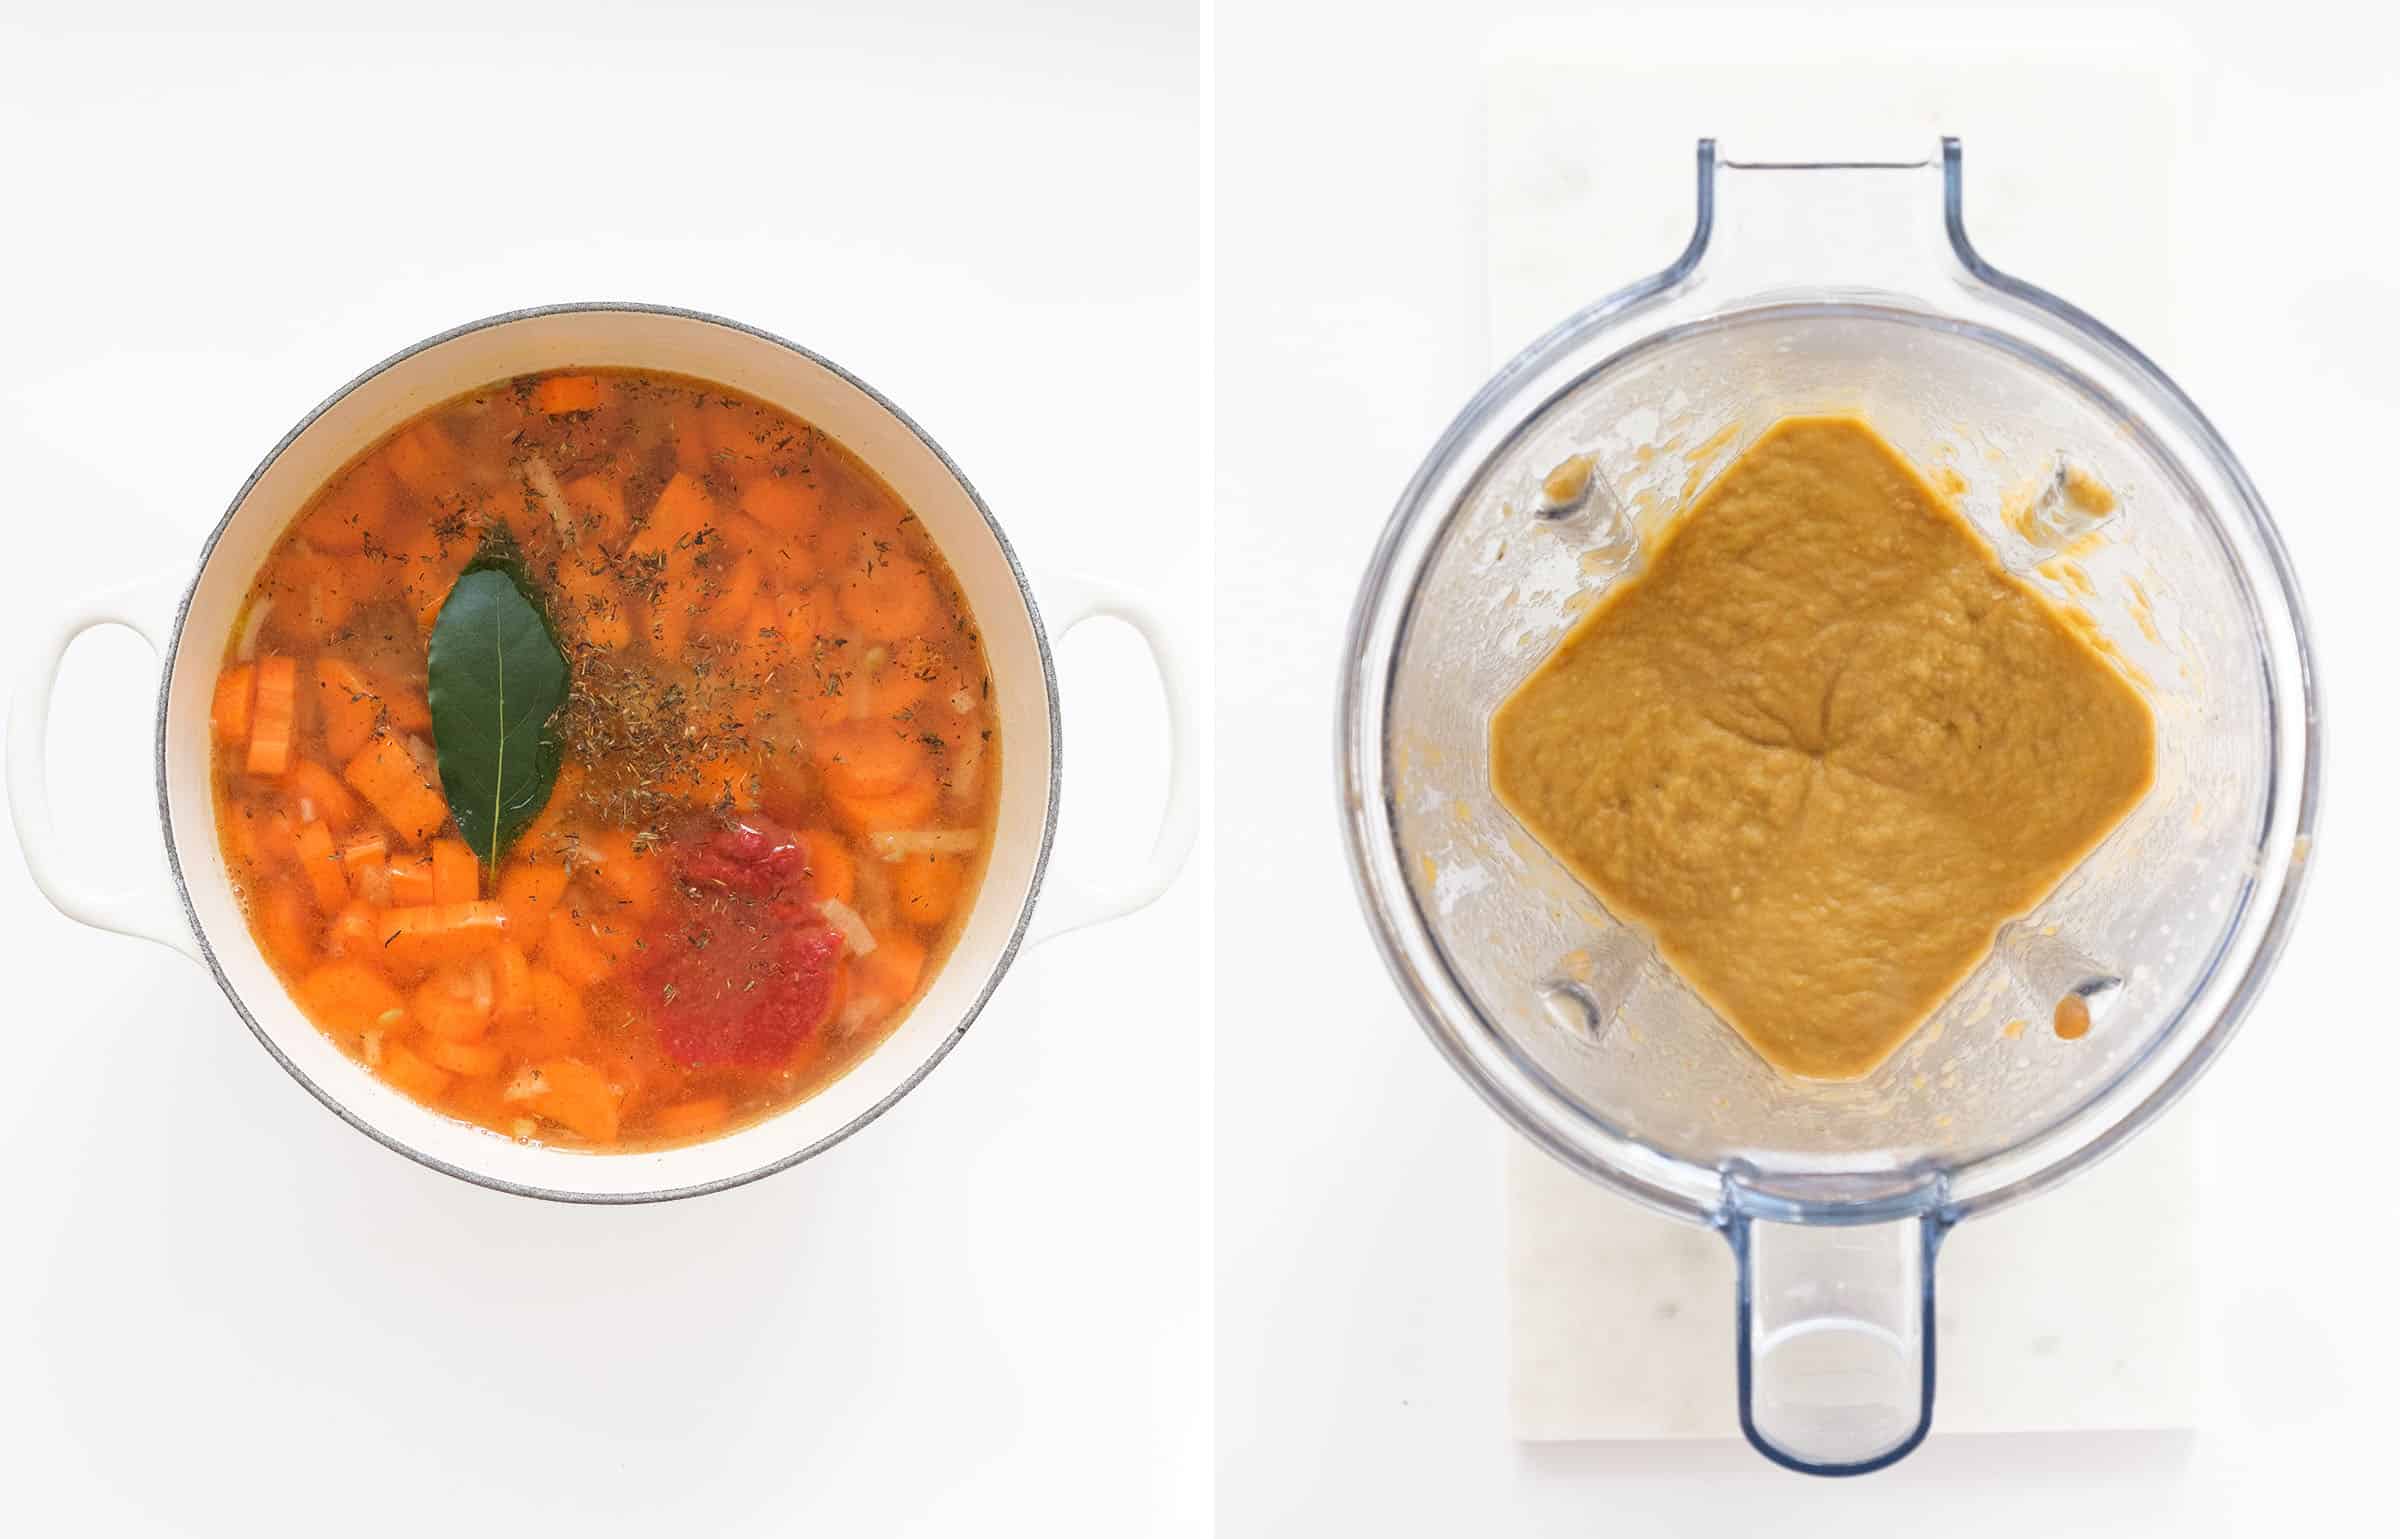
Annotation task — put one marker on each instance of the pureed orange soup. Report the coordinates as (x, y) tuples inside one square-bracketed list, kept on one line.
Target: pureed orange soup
[(605, 758)]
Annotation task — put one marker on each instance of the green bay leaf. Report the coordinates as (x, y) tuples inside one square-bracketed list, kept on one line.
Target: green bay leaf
[(495, 679)]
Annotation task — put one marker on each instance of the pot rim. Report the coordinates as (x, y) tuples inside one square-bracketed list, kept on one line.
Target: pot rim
[(941, 1049)]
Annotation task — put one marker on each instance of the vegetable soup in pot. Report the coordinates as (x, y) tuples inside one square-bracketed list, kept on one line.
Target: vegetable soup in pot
[(605, 758)]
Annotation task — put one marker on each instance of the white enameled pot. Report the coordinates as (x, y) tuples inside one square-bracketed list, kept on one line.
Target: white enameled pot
[(187, 619)]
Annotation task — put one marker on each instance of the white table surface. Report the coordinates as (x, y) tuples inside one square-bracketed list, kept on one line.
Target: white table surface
[(1361, 1358), (223, 1313)]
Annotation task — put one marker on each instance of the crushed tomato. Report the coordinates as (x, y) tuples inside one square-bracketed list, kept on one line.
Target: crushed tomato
[(740, 967)]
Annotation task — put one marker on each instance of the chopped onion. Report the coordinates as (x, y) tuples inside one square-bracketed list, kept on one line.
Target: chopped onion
[(525, 1086), (371, 1048), (538, 475), (247, 648), (858, 1013), (963, 703), (925, 841), (523, 1127), (855, 935)]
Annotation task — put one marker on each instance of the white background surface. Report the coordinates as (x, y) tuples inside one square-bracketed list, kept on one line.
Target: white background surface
[(221, 1312), (1361, 1384)]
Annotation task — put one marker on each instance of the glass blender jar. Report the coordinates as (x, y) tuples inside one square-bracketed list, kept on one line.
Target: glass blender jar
[(1811, 288)]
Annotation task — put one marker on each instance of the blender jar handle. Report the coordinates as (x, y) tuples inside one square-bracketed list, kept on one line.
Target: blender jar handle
[(1834, 1339)]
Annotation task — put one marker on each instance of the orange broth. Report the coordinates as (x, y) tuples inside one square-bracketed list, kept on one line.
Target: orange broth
[(778, 773)]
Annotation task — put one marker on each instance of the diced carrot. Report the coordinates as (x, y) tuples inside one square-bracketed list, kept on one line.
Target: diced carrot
[(529, 889), (348, 706), (405, 707), (456, 878), (760, 637), (315, 594), (473, 1060), (423, 457), (350, 512), (603, 614), (541, 835), (357, 931), (599, 504), (388, 776), (563, 393), (554, 1017), (289, 929), (407, 1071), (456, 1002), (410, 881), (581, 949), (670, 624), (229, 713), (893, 969), (736, 591), (241, 824), (427, 580), (351, 996), (907, 807), (921, 658), (272, 715), (578, 1097), (514, 504), (787, 504), (432, 934), (322, 867), (736, 432), (689, 1118), (632, 1076), (889, 599), (713, 434), (832, 871), (927, 887), (894, 689), (279, 839), (319, 795), (820, 711), (425, 601), (611, 926), (632, 876), (363, 862), (868, 758), (714, 781), (683, 509), (787, 782), (804, 616), (512, 993), (262, 837)]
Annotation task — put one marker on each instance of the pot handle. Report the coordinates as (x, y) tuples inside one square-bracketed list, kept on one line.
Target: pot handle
[(147, 912), (1833, 1347), (1068, 601)]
